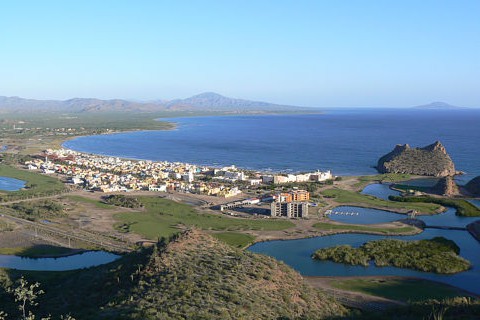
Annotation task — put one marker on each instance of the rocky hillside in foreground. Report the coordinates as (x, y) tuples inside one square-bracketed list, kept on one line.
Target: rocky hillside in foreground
[(432, 160), (194, 276), (198, 277)]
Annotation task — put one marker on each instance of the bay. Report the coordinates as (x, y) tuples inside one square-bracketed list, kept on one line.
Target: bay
[(348, 142)]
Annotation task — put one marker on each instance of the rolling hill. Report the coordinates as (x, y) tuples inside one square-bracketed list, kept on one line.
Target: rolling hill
[(208, 101)]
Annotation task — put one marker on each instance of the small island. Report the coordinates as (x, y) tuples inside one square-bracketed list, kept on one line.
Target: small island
[(437, 255)]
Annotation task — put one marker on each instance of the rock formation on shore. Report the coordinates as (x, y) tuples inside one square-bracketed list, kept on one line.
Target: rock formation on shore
[(432, 160), (473, 186), (446, 187)]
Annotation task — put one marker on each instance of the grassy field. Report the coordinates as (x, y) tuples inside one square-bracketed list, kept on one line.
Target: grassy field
[(464, 208), (96, 203), (5, 226), (163, 218), (399, 289), (345, 227), (239, 240), (362, 200), (37, 184), (37, 251)]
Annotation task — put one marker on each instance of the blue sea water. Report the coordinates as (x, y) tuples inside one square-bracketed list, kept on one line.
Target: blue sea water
[(348, 142)]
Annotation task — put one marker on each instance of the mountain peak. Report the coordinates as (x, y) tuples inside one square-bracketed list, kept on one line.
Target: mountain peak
[(207, 95), (437, 105), (206, 101)]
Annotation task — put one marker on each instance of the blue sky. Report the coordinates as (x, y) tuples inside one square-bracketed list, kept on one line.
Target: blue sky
[(334, 53)]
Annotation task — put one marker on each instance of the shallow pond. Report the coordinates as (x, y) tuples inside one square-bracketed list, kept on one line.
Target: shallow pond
[(77, 261), (363, 215), (11, 184), (297, 254), (380, 190), (372, 216)]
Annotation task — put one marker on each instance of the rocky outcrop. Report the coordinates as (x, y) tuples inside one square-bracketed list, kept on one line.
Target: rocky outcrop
[(473, 186), (446, 187), (432, 160)]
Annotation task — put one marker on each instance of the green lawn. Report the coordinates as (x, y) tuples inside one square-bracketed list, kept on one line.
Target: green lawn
[(239, 240), (37, 184), (335, 227), (363, 200), (399, 289), (163, 218), (96, 203)]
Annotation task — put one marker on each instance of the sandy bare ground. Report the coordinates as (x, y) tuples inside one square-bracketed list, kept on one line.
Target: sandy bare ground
[(20, 238), (353, 299)]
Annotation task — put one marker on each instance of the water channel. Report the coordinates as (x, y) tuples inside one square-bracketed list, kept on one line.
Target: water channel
[(297, 253)]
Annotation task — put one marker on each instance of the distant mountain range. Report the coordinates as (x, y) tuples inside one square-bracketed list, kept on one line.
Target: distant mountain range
[(438, 105), (207, 101)]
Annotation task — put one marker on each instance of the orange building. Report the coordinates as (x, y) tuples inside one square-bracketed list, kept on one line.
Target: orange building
[(300, 195)]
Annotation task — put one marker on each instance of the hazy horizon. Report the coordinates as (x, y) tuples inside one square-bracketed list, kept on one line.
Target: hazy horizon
[(309, 53), (454, 106)]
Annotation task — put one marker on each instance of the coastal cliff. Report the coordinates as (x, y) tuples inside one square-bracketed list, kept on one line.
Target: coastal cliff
[(473, 186), (432, 160)]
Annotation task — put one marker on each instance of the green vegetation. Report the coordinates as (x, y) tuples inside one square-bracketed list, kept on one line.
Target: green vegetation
[(5, 226), (37, 185), (401, 289), (163, 218), (464, 308), (96, 203), (363, 228), (464, 208), (404, 187), (39, 209), (438, 255), (363, 200), (192, 276), (198, 277), (239, 240), (122, 201), (38, 251), (387, 177)]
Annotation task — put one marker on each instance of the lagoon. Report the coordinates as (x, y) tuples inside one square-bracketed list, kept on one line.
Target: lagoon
[(11, 184), (72, 262), (297, 254)]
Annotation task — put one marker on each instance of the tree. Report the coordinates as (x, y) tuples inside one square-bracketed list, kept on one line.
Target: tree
[(26, 294)]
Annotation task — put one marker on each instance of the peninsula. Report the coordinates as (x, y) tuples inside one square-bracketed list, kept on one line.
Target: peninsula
[(432, 160)]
